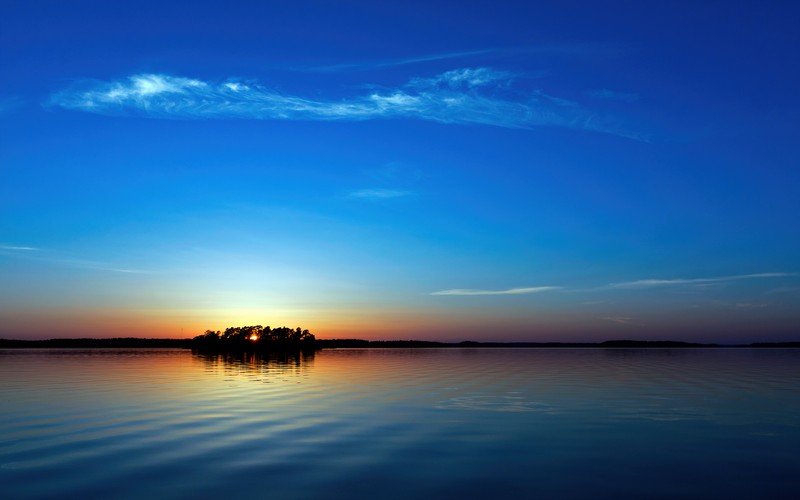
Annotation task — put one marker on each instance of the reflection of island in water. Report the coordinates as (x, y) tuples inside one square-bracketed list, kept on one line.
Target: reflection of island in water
[(256, 360), (256, 338), (256, 350)]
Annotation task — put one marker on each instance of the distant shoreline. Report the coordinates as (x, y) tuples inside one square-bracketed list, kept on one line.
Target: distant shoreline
[(87, 343)]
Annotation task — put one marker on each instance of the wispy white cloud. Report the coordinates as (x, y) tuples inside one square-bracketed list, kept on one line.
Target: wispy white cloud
[(590, 49), (396, 62), (510, 291), (649, 283), (58, 258), (464, 79), (462, 96), (378, 194), (96, 265), (637, 284), (389, 181), (17, 248)]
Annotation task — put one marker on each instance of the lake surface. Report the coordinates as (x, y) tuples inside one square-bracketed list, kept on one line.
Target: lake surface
[(395, 423)]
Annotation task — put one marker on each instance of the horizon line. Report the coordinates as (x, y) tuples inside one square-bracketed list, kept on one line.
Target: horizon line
[(517, 343)]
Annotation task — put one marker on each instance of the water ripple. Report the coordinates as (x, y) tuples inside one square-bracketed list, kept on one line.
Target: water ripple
[(363, 423)]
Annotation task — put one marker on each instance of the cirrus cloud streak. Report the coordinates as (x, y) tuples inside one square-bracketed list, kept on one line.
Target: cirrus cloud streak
[(510, 291), (637, 284), (377, 194), (649, 283), (461, 96)]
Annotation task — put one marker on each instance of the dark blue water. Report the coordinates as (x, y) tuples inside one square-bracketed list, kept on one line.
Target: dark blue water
[(432, 423)]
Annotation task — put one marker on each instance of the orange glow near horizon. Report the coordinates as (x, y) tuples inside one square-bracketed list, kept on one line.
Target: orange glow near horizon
[(368, 324)]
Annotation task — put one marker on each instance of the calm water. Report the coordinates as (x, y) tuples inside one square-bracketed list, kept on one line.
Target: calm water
[(543, 423)]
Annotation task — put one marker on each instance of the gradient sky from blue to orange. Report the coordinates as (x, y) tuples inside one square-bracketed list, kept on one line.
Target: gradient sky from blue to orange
[(432, 170)]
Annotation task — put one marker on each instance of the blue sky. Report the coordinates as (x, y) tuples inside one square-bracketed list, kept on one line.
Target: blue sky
[(449, 171)]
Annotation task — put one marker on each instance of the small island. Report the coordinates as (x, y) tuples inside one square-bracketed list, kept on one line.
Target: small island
[(255, 338)]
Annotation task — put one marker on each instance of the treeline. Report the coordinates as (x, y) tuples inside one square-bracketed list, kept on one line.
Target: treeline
[(255, 337), (84, 343), (358, 343)]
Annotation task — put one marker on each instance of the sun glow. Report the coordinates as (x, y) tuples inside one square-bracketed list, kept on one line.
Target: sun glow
[(254, 337)]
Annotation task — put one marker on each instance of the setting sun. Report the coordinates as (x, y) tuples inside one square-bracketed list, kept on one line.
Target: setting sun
[(254, 337)]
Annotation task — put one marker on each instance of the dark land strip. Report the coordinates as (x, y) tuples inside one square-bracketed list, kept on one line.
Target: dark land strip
[(131, 342)]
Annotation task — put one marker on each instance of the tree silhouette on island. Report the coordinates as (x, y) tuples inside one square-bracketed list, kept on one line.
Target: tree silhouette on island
[(255, 338)]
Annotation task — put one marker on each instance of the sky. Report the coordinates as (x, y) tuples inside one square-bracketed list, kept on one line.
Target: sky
[(489, 171)]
